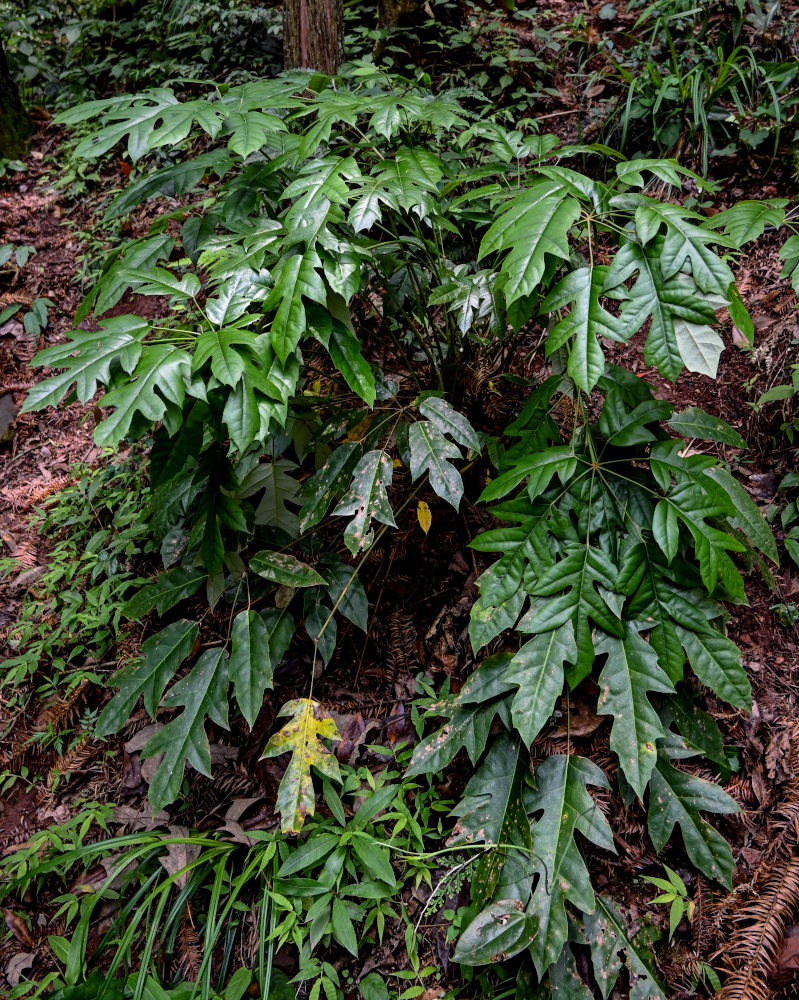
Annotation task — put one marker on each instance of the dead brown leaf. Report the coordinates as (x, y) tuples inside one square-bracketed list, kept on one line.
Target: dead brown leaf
[(18, 928), (234, 813), (140, 818), (179, 856), (22, 960), (789, 956)]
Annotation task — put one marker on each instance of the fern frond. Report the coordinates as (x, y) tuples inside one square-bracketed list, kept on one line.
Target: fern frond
[(27, 495), (758, 929)]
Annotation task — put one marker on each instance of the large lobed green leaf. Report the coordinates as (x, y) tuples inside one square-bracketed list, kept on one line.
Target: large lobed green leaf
[(367, 500), (302, 736), (565, 805)]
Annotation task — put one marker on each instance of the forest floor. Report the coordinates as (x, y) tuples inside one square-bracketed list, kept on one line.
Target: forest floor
[(419, 605)]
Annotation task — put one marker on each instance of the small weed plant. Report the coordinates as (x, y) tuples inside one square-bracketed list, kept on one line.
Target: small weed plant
[(12, 260), (341, 883), (71, 614)]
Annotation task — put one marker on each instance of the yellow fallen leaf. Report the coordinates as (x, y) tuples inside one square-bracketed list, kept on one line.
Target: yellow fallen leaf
[(423, 516)]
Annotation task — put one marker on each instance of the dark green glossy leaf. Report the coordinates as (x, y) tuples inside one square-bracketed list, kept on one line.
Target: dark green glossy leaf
[(499, 932), (202, 692), (259, 641), (677, 798), (696, 423), (147, 677), (561, 797), (716, 661), (537, 670), (630, 673), (285, 569)]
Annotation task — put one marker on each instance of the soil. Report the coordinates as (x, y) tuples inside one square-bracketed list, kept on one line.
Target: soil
[(419, 598)]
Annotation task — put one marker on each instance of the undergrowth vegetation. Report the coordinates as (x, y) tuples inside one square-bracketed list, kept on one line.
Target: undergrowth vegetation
[(334, 263), (725, 79), (98, 47)]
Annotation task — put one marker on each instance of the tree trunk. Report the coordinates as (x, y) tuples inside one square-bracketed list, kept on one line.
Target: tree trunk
[(15, 126), (391, 12), (413, 14), (313, 35)]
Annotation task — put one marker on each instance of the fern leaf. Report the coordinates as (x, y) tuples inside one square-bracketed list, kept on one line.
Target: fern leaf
[(413, 176), (369, 200), (747, 220), (716, 661), (319, 185), (524, 542), (497, 933), (136, 121), (285, 569), (251, 130), (220, 347)]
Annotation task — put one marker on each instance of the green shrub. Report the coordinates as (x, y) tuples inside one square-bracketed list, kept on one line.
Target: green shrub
[(327, 223)]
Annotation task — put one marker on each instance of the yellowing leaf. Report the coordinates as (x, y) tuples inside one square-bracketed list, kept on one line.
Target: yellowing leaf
[(423, 515), (302, 736), (358, 432)]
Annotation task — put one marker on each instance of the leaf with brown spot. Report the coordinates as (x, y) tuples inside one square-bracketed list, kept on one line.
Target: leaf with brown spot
[(502, 930), (676, 798), (492, 810), (607, 935), (367, 500), (302, 737), (562, 798)]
